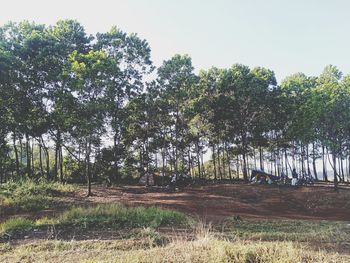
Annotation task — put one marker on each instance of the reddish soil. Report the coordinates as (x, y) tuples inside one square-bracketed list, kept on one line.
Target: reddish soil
[(217, 202)]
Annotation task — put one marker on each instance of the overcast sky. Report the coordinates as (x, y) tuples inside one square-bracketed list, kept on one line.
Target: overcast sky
[(285, 36)]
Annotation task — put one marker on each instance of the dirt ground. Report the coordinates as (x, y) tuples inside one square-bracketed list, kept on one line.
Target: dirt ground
[(217, 202)]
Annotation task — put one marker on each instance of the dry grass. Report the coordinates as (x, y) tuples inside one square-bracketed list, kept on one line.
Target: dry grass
[(147, 245), (207, 249)]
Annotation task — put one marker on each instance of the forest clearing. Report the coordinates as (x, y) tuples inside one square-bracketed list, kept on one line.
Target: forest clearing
[(309, 223), (207, 131)]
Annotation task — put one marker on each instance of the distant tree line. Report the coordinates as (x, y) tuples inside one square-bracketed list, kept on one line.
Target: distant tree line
[(76, 106)]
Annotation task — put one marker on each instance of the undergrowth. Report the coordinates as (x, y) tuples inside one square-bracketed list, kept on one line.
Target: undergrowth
[(29, 195)]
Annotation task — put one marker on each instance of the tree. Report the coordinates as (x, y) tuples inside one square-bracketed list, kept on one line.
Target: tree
[(88, 78), (175, 79), (132, 61)]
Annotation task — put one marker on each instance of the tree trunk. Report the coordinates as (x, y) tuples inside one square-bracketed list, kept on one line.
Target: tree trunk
[(223, 162), (218, 155), (32, 156), (88, 172), (115, 163), (335, 171), (261, 158), (286, 160), (229, 165), (314, 160), (245, 175), (16, 154), (325, 177), (48, 177), (237, 173), (41, 160), (61, 164), (198, 161), (213, 153), (163, 164), (307, 160), (203, 168), (342, 169), (28, 156)]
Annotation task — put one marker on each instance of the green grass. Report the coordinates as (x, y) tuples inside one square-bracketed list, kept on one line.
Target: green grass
[(117, 216), (290, 230), (16, 224), (29, 195), (106, 216)]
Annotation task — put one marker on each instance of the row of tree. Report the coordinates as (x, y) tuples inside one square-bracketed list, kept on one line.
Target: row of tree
[(79, 106)]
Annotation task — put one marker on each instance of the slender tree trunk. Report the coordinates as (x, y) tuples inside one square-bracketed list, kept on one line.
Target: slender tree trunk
[(88, 171), (335, 171), (254, 158), (286, 160), (46, 150), (237, 173), (261, 158), (245, 175), (307, 160), (28, 157), (21, 152), (203, 168), (349, 168), (163, 164), (314, 160), (189, 161), (342, 168), (218, 155), (32, 156), (61, 163), (115, 176), (41, 160), (16, 154), (325, 177), (213, 153), (302, 160), (198, 161), (57, 153), (229, 164), (223, 161)]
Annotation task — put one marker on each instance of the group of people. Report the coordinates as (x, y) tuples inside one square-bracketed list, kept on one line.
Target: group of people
[(260, 177)]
